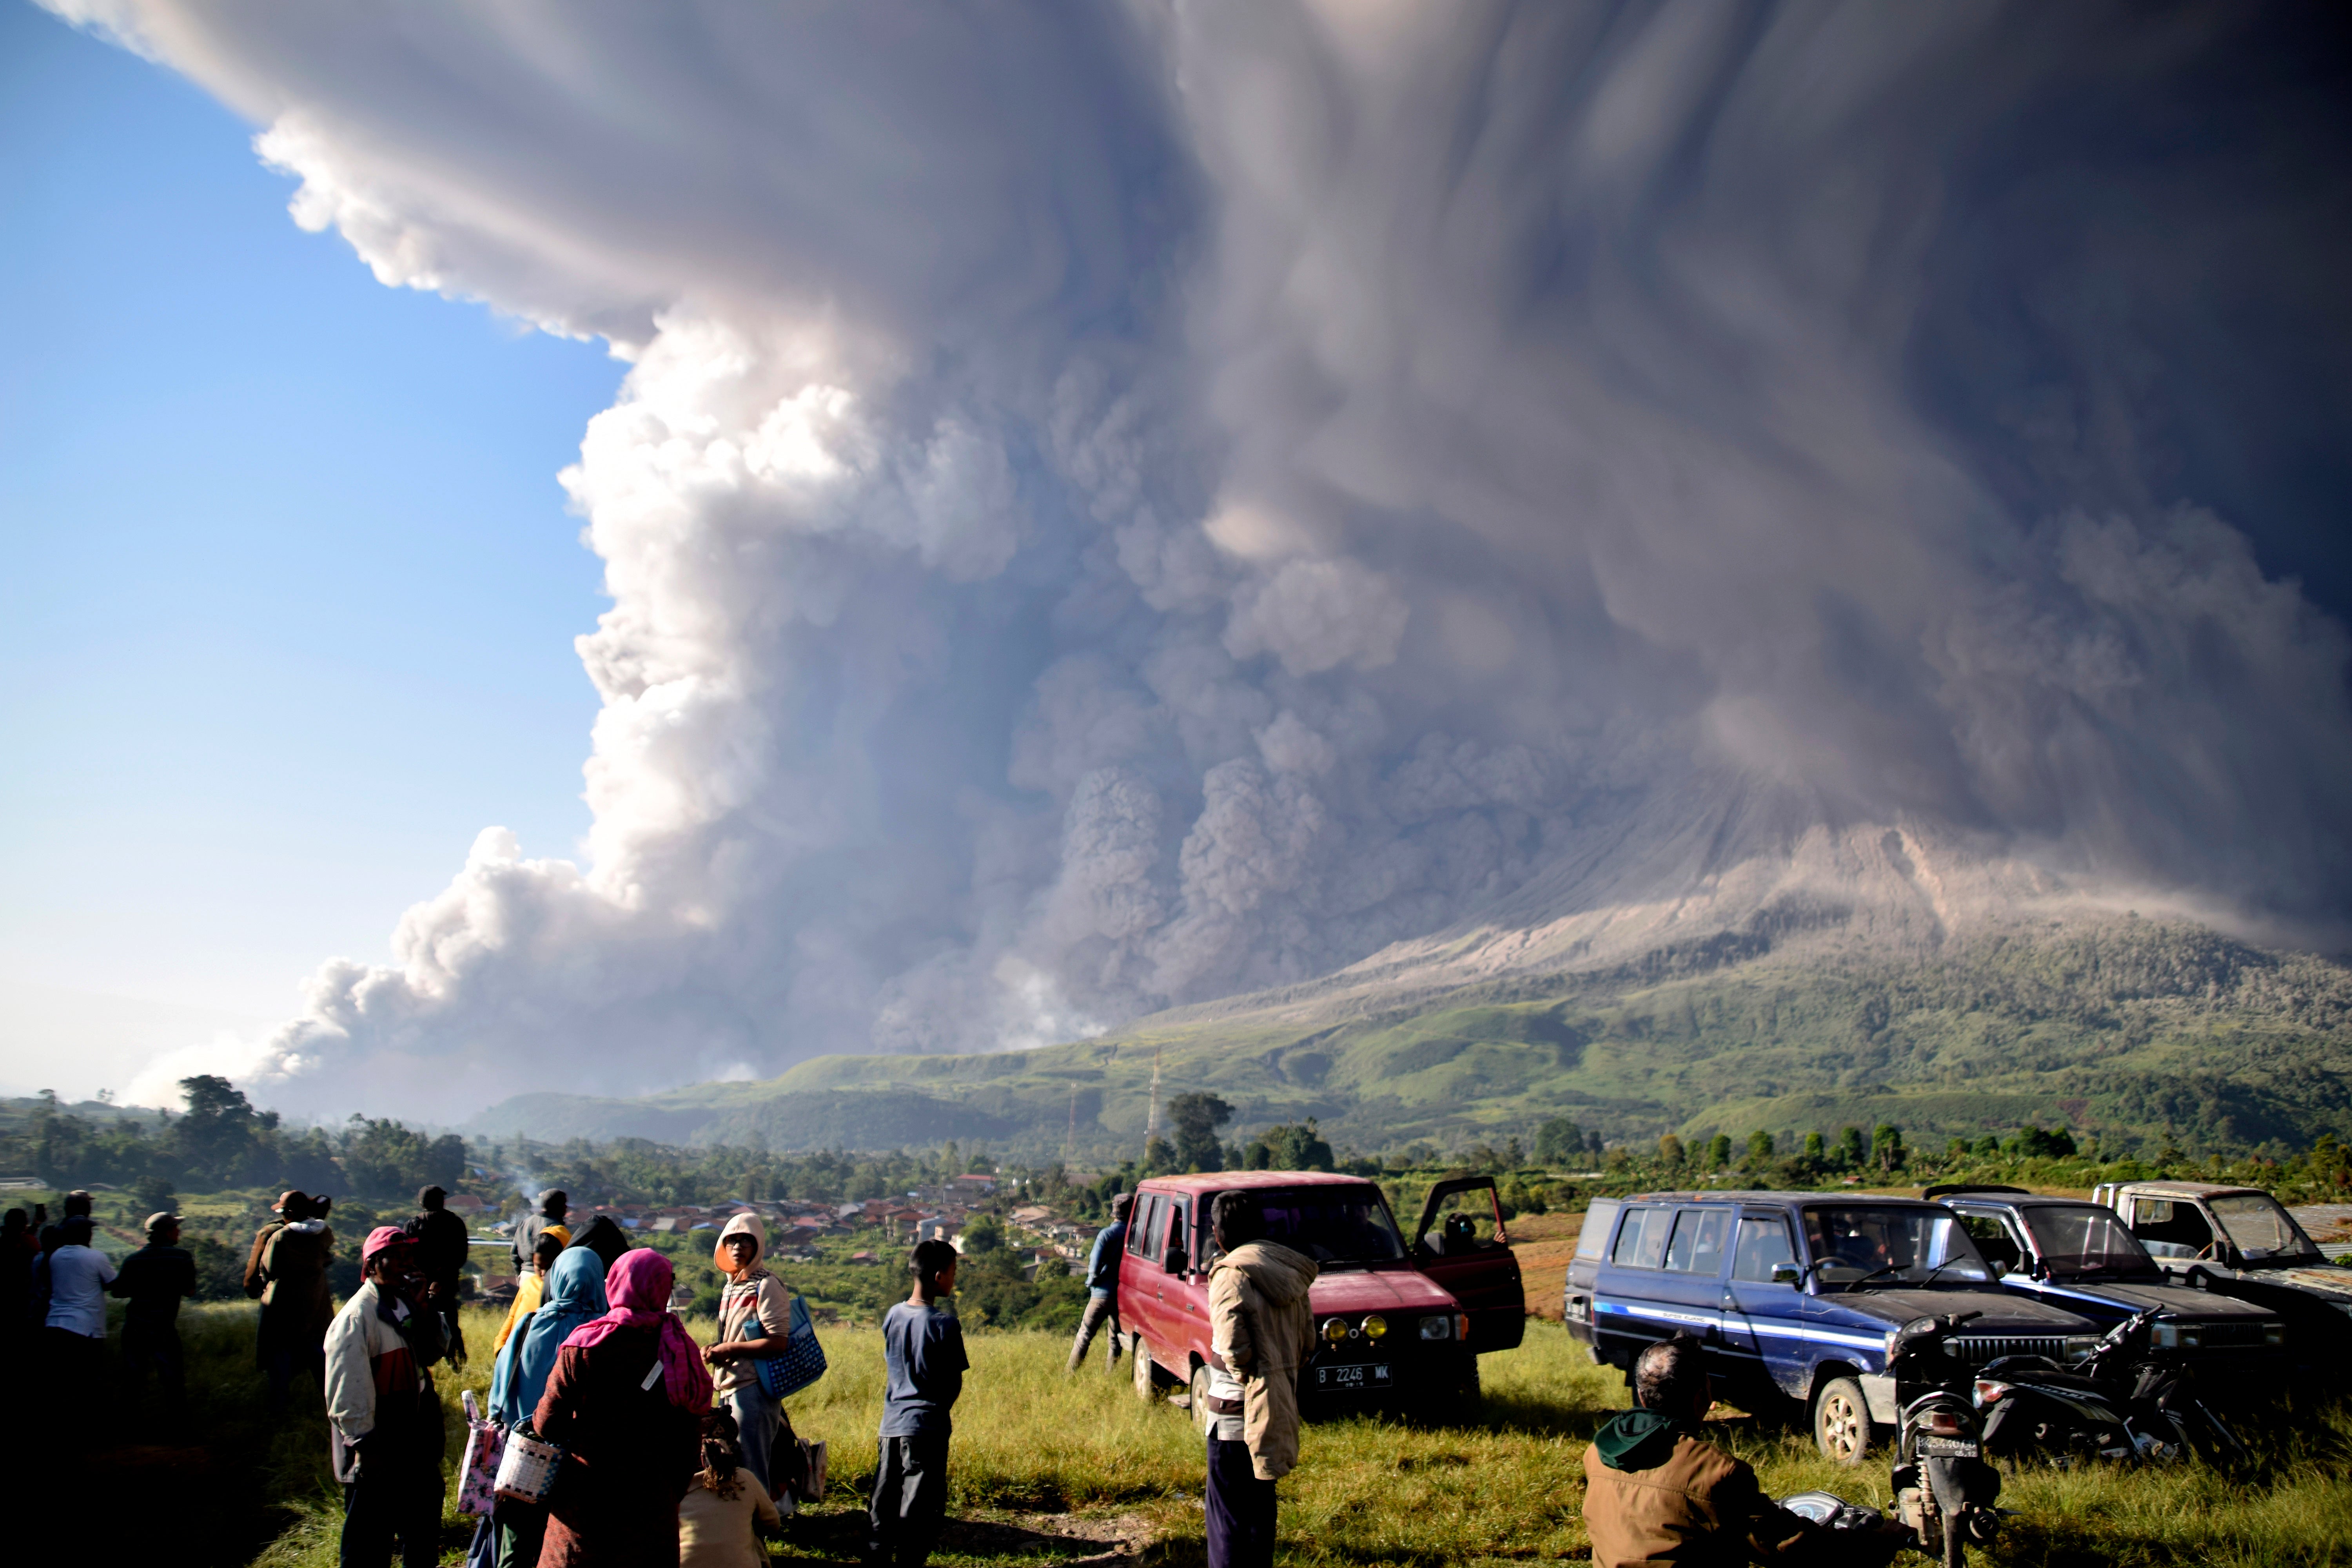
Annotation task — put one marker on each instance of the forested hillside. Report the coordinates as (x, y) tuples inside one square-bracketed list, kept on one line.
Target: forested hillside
[(2132, 1032)]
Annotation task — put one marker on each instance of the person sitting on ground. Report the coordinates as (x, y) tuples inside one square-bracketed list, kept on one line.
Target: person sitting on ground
[(922, 1347), (531, 1288), (1656, 1492), (1102, 1284), (725, 1504), (1260, 1332), (625, 1403), (384, 1420), (755, 1318), (155, 1280)]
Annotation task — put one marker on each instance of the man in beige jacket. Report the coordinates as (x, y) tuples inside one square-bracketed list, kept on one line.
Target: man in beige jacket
[(1260, 1332)]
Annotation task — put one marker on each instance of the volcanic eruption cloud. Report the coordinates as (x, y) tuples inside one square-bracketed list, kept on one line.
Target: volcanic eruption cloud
[(1117, 505)]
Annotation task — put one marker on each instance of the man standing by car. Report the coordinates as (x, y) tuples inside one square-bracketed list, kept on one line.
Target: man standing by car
[(1260, 1332), (1102, 1283), (1655, 1491)]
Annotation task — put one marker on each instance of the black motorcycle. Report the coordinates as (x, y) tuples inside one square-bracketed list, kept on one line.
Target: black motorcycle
[(1944, 1489), (2117, 1402)]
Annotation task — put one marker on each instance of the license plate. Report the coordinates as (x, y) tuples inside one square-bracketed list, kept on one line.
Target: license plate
[(1948, 1448), (1355, 1379)]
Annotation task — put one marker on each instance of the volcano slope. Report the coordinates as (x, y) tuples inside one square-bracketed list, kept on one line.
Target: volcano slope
[(2136, 1030)]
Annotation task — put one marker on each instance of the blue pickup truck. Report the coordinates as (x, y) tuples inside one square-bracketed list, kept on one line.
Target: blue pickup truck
[(2082, 1256), (1797, 1297)]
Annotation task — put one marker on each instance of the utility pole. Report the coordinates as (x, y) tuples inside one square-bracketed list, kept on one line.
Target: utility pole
[(1152, 1120), (1071, 1136)]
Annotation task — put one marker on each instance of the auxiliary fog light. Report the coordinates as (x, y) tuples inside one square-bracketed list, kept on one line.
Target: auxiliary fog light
[(1335, 1329), (1375, 1327)]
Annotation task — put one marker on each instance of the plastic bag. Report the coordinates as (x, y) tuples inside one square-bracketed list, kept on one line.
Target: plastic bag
[(477, 1475)]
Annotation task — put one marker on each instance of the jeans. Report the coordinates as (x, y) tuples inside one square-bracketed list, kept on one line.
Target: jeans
[(910, 1501), (756, 1420), (1099, 1311), (1241, 1509)]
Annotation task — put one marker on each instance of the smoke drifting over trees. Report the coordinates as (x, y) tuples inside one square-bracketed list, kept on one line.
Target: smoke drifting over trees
[(1120, 505)]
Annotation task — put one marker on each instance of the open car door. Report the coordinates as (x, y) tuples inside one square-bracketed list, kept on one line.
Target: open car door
[(1460, 1244)]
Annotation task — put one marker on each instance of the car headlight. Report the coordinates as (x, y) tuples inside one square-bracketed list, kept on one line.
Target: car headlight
[(1375, 1327), (2273, 1334), (2080, 1345), (1335, 1329), (1437, 1328), (2171, 1336)]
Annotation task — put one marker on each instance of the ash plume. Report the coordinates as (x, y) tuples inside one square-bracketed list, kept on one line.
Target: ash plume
[(1116, 506)]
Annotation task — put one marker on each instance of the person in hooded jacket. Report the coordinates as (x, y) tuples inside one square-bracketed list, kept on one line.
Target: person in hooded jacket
[(626, 1402), (554, 1204), (573, 1296), (1656, 1492), (530, 1287), (755, 1315), (1261, 1330)]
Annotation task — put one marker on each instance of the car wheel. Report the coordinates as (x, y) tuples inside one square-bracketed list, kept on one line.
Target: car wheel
[(1841, 1422), (1201, 1417), (1142, 1356)]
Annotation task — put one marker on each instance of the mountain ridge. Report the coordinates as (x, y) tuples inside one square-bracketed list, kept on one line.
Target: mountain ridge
[(2130, 1029)]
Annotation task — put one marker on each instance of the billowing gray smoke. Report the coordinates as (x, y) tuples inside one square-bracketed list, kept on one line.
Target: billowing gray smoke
[(1114, 507)]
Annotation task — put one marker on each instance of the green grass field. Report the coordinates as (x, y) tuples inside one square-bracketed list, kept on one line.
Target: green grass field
[(1051, 1470)]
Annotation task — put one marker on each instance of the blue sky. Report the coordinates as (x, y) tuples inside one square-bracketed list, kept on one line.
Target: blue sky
[(290, 587)]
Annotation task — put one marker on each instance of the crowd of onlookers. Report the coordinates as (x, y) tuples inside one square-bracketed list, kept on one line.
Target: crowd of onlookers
[(668, 1451)]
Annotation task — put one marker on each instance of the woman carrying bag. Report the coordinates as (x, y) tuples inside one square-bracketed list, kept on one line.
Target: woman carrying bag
[(755, 1320), (573, 1295), (625, 1403)]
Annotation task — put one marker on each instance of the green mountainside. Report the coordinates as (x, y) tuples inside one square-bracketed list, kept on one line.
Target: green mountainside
[(2139, 1031)]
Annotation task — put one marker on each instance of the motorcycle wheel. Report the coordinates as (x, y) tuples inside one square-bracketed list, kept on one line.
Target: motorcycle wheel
[(2211, 1440)]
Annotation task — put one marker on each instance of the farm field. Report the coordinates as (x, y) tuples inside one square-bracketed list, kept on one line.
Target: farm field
[(1054, 1472)]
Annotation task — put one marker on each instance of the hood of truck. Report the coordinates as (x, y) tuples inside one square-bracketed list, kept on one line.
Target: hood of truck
[(2325, 1279), (2174, 1301), (2004, 1313), (1376, 1290)]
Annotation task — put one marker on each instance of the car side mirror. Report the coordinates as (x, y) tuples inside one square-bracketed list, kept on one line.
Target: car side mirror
[(1787, 1274), (2000, 1269)]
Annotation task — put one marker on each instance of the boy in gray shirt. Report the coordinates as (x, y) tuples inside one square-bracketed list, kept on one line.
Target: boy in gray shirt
[(923, 1346)]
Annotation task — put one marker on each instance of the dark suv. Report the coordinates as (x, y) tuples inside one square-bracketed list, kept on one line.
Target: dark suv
[(1798, 1296), (2082, 1256)]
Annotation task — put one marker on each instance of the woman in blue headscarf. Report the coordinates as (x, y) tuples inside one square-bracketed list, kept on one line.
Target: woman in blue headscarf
[(574, 1295)]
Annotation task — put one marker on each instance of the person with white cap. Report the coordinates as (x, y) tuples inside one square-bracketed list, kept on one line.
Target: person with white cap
[(755, 1314)]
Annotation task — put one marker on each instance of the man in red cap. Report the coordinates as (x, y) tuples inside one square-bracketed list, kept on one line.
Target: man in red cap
[(382, 1413)]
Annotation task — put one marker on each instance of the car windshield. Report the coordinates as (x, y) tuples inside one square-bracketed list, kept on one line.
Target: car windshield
[(2260, 1227), (1339, 1226), (1891, 1247), (2087, 1241)]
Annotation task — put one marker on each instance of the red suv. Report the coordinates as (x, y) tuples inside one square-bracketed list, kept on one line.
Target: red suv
[(1392, 1317)]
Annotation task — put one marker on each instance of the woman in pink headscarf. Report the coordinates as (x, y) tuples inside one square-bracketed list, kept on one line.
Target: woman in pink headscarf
[(625, 1402)]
